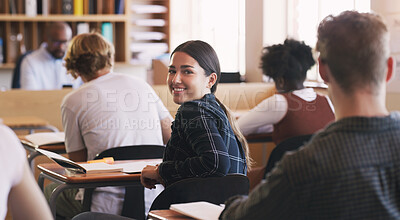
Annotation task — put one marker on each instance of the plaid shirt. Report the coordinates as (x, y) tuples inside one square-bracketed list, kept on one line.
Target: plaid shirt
[(351, 170), (202, 143)]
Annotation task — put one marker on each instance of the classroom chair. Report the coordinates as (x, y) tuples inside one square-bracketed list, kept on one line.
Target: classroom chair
[(15, 83), (99, 216), (290, 144), (211, 189), (133, 206)]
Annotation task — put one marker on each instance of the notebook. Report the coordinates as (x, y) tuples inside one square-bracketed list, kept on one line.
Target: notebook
[(80, 167), (198, 210), (45, 138)]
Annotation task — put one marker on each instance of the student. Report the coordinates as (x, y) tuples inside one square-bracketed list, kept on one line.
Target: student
[(350, 170), (204, 141), (109, 110), (295, 110), (43, 69), (18, 189)]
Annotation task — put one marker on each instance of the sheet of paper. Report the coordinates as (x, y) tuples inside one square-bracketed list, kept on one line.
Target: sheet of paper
[(137, 166), (53, 155), (198, 210)]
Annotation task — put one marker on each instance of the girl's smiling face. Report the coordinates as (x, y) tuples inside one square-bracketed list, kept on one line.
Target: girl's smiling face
[(187, 80)]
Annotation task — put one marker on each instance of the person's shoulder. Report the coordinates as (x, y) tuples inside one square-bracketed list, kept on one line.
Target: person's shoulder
[(304, 163), (35, 54), (76, 96), (136, 82), (9, 138), (5, 131), (125, 76), (189, 107), (197, 104)]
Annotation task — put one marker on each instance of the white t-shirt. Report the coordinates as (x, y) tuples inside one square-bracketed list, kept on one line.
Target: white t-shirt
[(111, 111), (270, 111), (41, 71), (12, 159)]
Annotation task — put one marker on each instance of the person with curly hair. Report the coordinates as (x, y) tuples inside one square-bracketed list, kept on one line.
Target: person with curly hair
[(109, 110), (294, 110)]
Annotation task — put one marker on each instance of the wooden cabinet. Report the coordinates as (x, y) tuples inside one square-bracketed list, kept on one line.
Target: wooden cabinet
[(132, 39)]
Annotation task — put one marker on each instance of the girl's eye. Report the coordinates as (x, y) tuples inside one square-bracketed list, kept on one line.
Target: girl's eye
[(171, 71), (187, 72)]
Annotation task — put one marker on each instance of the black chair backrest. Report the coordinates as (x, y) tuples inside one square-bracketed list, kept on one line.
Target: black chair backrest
[(211, 189), (135, 152), (290, 144), (133, 206), (15, 83)]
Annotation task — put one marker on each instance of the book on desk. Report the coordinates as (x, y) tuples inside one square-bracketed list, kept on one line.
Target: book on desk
[(46, 138), (101, 167), (197, 210)]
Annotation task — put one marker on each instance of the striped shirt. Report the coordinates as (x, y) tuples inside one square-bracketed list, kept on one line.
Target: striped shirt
[(202, 143), (351, 170)]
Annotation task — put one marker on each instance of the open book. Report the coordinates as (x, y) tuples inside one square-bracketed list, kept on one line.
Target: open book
[(80, 167), (126, 167), (45, 138), (198, 210)]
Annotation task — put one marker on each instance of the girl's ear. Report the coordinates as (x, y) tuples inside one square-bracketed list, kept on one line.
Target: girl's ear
[(212, 79)]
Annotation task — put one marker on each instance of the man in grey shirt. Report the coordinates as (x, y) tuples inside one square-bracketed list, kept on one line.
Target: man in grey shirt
[(43, 69), (351, 169)]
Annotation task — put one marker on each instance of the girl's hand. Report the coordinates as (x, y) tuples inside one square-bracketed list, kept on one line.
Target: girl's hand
[(150, 177)]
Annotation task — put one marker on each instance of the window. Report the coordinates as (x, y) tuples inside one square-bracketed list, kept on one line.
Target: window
[(219, 23), (303, 17)]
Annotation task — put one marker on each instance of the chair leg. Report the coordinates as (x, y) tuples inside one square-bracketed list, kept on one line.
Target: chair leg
[(134, 202), (87, 199)]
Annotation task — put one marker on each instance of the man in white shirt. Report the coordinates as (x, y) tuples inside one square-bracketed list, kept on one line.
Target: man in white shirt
[(43, 69)]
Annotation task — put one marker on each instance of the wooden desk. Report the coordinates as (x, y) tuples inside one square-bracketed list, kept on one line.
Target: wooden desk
[(31, 148), (166, 215), (261, 138), (67, 180), (30, 123)]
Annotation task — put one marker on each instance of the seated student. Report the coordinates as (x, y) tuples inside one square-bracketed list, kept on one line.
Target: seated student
[(43, 69), (204, 141), (295, 110), (109, 110), (18, 189), (351, 169)]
